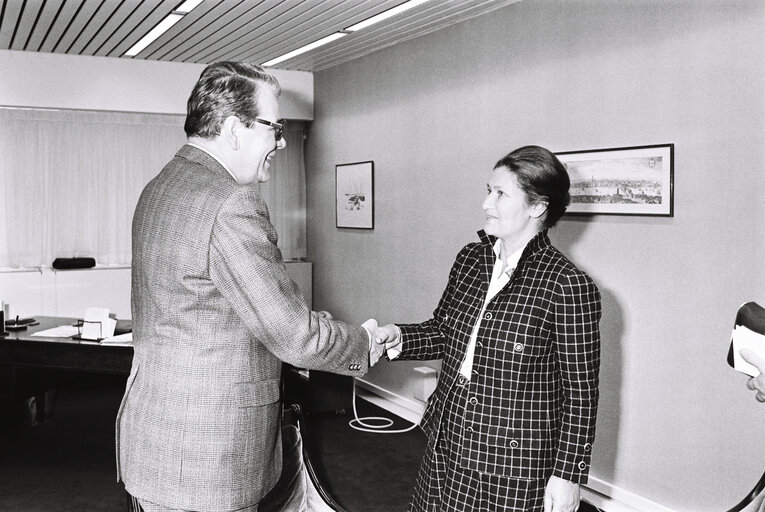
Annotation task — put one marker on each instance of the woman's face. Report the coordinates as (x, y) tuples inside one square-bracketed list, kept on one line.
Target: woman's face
[(508, 216)]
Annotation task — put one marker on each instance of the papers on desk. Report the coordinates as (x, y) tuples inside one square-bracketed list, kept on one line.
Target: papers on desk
[(121, 340), (68, 331), (62, 331)]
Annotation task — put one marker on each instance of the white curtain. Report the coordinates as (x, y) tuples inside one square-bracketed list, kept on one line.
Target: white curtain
[(69, 182), (285, 193)]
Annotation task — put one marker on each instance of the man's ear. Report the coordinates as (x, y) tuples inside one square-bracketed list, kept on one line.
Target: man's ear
[(231, 130)]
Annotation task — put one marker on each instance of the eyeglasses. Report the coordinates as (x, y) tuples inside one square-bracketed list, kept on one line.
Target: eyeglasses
[(277, 126)]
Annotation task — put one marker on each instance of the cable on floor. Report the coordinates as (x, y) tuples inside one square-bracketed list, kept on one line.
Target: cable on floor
[(359, 423)]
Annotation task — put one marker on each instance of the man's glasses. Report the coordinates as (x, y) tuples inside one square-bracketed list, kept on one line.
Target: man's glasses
[(277, 126)]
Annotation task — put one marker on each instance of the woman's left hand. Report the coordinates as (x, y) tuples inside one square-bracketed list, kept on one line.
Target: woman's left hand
[(561, 495)]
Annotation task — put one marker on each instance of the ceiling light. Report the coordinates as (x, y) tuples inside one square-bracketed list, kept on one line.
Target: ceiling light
[(306, 48), (187, 6), (162, 27), (385, 15)]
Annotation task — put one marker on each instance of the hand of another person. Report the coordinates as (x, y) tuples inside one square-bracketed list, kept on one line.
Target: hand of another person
[(325, 314), (376, 349), (755, 383), (389, 336), (561, 495)]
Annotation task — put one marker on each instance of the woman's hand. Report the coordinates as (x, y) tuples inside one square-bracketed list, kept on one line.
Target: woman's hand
[(561, 495)]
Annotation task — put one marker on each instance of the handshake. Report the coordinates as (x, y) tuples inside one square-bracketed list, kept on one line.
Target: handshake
[(381, 339)]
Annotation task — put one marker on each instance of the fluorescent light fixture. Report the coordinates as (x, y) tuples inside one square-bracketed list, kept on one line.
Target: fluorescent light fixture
[(187, 6), (161, 27), (306, 48), (385, 15)]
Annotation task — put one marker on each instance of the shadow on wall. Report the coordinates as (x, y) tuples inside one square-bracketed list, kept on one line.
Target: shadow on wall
[(565, 237)]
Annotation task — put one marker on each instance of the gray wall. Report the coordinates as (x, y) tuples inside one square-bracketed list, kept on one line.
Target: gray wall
[(677, 426)]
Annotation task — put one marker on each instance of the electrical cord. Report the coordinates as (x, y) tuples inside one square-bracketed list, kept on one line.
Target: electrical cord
[(358, 423)]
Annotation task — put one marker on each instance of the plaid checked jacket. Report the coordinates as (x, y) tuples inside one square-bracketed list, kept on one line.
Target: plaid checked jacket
[(214, 316), (533, 394)]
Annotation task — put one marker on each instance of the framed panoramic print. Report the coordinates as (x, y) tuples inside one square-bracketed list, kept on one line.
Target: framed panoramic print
[(354, 195), (635, 180)]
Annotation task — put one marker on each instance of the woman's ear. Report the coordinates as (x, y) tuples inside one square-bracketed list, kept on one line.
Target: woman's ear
[(538, 209)]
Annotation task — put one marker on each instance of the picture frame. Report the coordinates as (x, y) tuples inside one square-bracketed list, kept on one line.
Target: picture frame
[(354, 195), (637, 180)]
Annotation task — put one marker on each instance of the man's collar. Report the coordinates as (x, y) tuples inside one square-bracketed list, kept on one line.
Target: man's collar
[(211, 154)]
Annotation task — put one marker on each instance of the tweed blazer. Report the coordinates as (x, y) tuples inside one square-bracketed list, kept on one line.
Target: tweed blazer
[(214, 315), (534, 385)]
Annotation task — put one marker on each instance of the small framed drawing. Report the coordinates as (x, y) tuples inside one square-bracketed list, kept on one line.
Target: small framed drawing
[(621, 181), (354, 195)]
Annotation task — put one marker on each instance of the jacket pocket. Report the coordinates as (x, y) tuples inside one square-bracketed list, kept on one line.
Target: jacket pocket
[(255, 394)]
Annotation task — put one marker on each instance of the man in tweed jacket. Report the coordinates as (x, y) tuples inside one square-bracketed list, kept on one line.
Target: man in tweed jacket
[(512, 420), (215, 313)]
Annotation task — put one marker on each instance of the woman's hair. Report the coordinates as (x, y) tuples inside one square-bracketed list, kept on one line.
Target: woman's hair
[(542, 177), (226, 89)]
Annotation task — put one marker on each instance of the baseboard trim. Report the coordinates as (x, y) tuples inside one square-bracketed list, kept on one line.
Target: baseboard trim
[(611, 498), (599, 493), (410, 410)]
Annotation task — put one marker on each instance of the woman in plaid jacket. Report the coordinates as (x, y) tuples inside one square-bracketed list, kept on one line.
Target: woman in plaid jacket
[(511, 423)]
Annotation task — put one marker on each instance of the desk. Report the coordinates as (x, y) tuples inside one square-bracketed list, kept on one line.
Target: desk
[(21, 349)]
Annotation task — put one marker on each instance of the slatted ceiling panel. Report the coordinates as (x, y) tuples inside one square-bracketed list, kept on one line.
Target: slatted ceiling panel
[(100, 16), (75, 26), (425, 18), (64, 12), (310, 30), (45, 19), (8, 23), (111, 21), (204, 23), (287, 31), (249, 30), (217, 44), (142, 20), (26, 22), (277, 29)]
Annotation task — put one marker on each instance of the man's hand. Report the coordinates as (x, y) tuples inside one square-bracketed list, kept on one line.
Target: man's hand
[(376, 349), (755, 383), (561, 495)]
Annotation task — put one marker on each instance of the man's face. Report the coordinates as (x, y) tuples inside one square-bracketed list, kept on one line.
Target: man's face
[(258, 144)]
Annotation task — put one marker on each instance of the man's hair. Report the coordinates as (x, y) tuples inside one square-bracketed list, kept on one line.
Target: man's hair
[(542, 177), (226, 89)]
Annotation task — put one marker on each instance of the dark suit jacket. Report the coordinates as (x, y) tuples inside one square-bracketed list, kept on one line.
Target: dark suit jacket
[(535, 370), (214, 316)]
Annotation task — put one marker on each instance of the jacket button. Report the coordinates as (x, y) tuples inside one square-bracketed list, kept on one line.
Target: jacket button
[(514, 443), (518, 347), (488, 316), (462, 380), (582, 465), (473, 401), (587, 447), (469, 430)]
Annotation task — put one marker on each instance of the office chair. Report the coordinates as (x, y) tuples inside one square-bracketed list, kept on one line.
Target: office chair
[(299, 466)]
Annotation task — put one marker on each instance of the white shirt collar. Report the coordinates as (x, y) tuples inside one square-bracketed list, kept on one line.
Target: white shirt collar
[(513, 259)]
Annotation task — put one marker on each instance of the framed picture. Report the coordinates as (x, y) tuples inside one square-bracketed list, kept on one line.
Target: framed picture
[(621, 181), (354, 195)]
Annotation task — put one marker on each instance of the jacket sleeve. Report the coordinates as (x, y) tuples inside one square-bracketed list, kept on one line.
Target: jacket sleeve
[(425, 341), (246, 265), (577, 341)]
